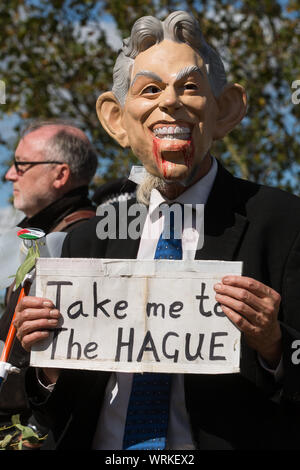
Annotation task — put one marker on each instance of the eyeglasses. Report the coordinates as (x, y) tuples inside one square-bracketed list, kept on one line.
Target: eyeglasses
[(18, 165)]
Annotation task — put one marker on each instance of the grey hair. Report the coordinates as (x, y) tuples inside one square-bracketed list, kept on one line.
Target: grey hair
[(68, 147), (143, 191), (147, 31)]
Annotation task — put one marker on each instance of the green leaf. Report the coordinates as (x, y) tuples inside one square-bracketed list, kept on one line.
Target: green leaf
[(15, 419), (27, 433), (28, 265), (6, 441)]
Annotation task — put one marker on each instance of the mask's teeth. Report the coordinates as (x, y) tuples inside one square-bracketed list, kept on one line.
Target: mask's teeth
[(172, 132)]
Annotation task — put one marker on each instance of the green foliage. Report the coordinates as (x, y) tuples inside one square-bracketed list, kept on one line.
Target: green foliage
[(56, 59), (17, 436), (28, 264)]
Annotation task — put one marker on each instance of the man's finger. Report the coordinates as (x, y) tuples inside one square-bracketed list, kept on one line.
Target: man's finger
[(252, 285), (28, 327), (239, 294), (240, 308), (34, 313), (31, 314), (34, 302), (239, 321), (29, 340)]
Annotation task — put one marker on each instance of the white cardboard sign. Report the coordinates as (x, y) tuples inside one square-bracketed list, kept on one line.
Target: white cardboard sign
[(137, 316)]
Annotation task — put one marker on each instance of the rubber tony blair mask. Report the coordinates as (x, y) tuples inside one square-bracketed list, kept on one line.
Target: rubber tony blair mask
[(170, 98)]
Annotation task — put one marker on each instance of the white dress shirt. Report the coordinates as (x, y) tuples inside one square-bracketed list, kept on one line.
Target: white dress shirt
[(112, 419)]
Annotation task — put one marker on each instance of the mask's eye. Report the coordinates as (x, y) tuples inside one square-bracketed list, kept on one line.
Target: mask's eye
[(151, 90), (190, 86)]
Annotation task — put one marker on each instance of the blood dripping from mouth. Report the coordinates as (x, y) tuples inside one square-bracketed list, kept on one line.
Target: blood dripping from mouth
[(187, 149)]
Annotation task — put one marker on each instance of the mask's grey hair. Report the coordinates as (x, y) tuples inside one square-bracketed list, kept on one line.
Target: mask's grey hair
[(68, 147), (147, 31)]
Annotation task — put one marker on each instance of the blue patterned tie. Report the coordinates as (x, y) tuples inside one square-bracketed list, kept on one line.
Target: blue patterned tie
[(148, 410)]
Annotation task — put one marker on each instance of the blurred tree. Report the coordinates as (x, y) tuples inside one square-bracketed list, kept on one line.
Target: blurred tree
[(56, 58)]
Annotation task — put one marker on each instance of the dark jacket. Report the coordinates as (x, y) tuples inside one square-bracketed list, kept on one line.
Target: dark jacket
[(62, 215), (243, 222)]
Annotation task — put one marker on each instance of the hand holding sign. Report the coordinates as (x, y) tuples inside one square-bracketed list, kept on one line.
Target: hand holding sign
[(35, 316), (253, 307), (34, 319)]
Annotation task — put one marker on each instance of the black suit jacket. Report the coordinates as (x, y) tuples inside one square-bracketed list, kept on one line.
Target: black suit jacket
[(246, 222)]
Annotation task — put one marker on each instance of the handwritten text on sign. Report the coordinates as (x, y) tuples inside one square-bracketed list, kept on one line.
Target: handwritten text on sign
[(130, 315)]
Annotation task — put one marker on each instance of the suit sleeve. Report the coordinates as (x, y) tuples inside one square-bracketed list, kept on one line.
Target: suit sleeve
[(290, 325)]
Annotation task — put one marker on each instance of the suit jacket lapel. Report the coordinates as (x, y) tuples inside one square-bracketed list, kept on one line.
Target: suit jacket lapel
[(128, 240), (224, 222)]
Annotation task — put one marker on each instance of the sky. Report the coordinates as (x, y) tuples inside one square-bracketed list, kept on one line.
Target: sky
[(6, 127)]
